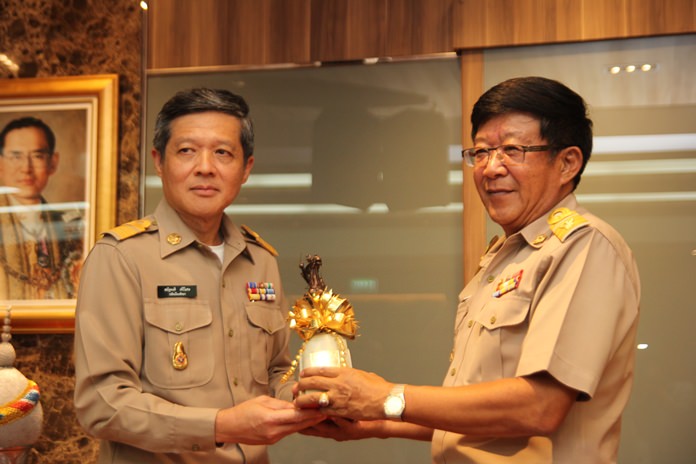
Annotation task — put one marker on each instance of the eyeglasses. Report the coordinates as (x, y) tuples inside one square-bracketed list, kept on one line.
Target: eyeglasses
[(509, 155), (39, 159)]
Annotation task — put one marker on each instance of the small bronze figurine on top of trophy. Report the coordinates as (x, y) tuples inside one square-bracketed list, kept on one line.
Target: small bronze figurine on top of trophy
[(324, 321)]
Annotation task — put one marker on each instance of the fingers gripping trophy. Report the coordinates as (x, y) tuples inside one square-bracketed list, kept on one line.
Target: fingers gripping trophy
[(324, 320)]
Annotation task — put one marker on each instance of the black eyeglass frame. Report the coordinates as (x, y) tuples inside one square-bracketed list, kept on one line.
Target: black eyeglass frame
[(470, 154)]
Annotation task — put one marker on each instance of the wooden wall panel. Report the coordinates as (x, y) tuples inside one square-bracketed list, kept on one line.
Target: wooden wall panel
[(204, 33), (603, 20), (211, 33), (660, 17), (474, 217), (344, 30), (415, 27), (498, 23)]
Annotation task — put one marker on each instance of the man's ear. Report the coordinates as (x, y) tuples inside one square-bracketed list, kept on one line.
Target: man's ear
[(570, 162), (157, 158)]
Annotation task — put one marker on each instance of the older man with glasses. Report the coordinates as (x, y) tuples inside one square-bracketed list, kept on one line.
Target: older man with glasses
[(544, 340), (40, 248)]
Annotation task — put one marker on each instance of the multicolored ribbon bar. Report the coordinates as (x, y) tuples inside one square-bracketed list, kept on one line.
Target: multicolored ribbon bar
[(261, 291), (508, 285)]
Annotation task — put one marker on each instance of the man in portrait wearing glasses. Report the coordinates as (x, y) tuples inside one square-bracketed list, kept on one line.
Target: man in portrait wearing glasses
[(40, 247), (544, 339)]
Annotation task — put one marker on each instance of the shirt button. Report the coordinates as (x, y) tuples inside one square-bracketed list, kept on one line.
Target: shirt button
[(490, 278), (453, 371), (493, 319), (230, 333), (195, 447), (470, 323), (235, 382), (179, 327)]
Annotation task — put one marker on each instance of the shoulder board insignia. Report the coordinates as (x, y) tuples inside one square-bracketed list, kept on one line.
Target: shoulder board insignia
[(256, 238), (129, 229), (564, 221)]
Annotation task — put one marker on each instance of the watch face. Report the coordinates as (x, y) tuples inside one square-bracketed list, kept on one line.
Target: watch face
[(394, 405)]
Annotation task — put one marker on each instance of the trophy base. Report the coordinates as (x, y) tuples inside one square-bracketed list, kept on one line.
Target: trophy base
[(325, 350)]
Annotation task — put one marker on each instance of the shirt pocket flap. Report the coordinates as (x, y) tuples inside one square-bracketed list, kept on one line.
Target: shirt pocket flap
[(265, 316), (504, 312), (178, 318)]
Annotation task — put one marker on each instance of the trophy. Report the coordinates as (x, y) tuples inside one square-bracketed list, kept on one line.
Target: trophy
[(324, 320)]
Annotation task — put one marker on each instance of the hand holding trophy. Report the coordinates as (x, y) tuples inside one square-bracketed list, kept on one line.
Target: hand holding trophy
[(324, 321)]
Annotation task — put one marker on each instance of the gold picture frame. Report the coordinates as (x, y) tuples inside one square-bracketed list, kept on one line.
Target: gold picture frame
[(84, 110)]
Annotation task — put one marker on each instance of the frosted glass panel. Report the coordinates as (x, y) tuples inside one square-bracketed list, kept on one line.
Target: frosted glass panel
[(361, 165), (641, 179)]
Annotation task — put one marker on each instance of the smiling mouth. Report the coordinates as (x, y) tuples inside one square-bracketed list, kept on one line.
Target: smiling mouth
[(498, 192)]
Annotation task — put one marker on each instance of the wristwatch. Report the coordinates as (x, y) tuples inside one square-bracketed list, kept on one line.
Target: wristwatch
[(395, 403)]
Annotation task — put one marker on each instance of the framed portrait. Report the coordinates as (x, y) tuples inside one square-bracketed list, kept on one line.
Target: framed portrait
[(58, 179)]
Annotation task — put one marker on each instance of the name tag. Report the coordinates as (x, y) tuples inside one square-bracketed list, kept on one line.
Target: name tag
[(176, 291)]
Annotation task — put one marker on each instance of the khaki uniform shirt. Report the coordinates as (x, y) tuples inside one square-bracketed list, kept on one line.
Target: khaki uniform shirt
[(572, 312), (142, 295)]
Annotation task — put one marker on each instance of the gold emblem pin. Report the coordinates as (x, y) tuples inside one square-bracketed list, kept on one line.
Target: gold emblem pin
[(541, 238), (179, 359), (174, 239)]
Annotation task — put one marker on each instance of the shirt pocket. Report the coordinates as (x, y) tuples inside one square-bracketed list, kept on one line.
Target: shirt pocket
[(266, 320), (504, 323), (166, 325)]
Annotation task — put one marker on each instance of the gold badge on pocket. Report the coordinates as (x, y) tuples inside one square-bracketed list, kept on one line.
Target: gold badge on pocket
[(179, 359)]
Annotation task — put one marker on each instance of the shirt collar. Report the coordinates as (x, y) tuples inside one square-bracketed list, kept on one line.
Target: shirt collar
[(175, 235)]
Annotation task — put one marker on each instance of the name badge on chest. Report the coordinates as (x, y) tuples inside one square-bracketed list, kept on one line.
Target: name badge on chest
[(176, 291)]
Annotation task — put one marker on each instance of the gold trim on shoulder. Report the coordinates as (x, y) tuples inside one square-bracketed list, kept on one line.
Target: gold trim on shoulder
[(256, 238), (129, 229), (564, 221)]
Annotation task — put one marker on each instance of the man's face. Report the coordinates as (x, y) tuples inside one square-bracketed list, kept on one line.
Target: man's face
[(517, 195), (26, 163), (203, 168)]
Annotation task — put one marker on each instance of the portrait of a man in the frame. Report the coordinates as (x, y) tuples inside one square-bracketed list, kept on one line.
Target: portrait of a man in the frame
[(41, 238)]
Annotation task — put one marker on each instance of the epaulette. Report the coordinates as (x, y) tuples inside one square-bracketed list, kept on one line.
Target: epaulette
[(129, 229), (253, 237), (564, 222)]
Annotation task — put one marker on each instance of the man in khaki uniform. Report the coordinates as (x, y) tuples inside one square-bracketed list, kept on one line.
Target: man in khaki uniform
[(544, 341), (181, 340)]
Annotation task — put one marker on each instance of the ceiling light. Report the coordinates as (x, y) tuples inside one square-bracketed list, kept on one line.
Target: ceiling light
[(630, 68)]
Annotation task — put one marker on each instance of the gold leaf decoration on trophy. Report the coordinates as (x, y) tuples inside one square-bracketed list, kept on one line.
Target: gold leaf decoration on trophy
[(319, 310), (323, 312)]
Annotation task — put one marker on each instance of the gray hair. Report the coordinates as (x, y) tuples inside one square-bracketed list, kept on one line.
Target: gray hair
[(201, 100)]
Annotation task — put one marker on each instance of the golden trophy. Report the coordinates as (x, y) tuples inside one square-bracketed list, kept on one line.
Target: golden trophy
[(324, 320)]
